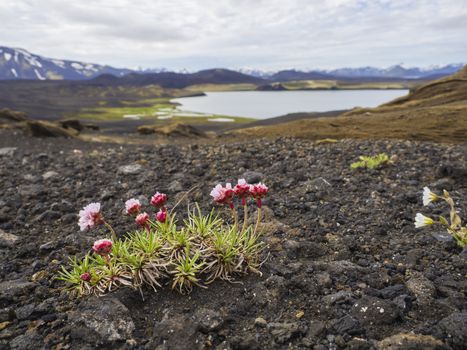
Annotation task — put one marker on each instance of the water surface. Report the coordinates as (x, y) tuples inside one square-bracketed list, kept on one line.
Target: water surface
[(268, 104)]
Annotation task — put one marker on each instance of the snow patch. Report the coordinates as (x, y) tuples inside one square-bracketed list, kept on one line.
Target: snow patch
[(222, 120), (33, 61), (38, 75), (77, 65), (165, 117), (132, 116), (24, 52), (7, 56), (59, 63), (14, 72)]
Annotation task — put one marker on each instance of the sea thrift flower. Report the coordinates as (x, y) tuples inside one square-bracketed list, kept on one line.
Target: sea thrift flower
[(159, 199), (242, 190), (142, 219), (132, 206), (428, 196), (90, 216), (422, 220), (223, 195), (258, 192), (161, 216), (102, 246), (85, 277)]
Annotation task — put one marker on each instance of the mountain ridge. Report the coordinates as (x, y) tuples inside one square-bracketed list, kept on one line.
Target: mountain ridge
[(20, 64)]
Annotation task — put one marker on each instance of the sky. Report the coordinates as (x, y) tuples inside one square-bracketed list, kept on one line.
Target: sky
[(258, 34)]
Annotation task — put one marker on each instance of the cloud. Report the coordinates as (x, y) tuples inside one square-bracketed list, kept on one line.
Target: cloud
[(268, 34)]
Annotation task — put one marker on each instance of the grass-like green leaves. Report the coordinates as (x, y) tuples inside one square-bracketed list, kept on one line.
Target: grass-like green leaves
[(202, 250), (372, 162)]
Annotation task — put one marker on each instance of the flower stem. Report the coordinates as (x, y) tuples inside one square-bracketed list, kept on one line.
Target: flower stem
[(245, 217), (235, 216), (258, 219), (114, 235)]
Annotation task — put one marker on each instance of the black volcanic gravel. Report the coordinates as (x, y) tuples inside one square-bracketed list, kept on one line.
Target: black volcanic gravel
[(347, 269)]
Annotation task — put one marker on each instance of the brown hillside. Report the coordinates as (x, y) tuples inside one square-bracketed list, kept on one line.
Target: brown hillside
[(436, 111)]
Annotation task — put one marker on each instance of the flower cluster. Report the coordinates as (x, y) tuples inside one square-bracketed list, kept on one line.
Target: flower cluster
[(158, 200), (203, 249), (453, 226), (242, 190)]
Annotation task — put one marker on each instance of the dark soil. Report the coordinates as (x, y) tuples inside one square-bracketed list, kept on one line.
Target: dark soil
[(346, 267)]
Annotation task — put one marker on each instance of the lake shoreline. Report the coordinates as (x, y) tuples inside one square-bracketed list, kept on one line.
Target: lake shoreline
[(270, 104)]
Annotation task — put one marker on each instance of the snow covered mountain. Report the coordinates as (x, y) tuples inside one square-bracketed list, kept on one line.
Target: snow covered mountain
[(21, 64), (393, 72), (397, 71)]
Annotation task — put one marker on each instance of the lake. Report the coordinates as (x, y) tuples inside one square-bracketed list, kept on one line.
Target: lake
[(268, 104)]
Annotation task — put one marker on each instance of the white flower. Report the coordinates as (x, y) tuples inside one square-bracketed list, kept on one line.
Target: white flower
[(422, 220), (428, 196)]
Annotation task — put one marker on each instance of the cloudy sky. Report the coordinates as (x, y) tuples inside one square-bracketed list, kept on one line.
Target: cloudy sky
[(265, 34)]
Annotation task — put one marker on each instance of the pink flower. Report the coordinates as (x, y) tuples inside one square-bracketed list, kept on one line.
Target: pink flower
[(258, 191), (85, 277), (132, 206), (142, 219), (102, 246), (242, 190), (161, 216), (90, 216), (159, 199), (223, 195)]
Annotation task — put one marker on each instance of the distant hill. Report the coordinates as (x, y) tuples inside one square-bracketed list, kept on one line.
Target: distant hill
[(396, 72), (179, 80), (292, 74), (435, 111), (21, 64)]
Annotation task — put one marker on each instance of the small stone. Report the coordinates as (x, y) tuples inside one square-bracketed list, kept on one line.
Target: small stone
[(409, 341), (208, 320), (7, 239), (252, 177), (106, 318), (25, 311), (29, 340), (453, 328), (282, 332), (175, 186), (176, 330), (337, 297), (15, 288), (49, 174), (48, 246), (422, 288), (3, 325), (374, 311), (393, 291), (260, 322), (315, 328), (324, 280), (346, 324), (7, 151), (131, 169)]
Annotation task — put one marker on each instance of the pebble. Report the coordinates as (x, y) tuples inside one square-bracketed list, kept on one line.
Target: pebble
[(7, 239), (7, 151), (131, 169)]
